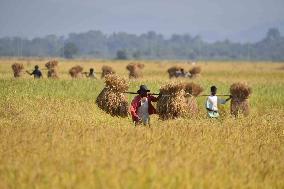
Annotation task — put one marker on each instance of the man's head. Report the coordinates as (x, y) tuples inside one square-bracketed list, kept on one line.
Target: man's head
[(182, 70), (213, 90), (36, 67), (92, 70), (143, 91)]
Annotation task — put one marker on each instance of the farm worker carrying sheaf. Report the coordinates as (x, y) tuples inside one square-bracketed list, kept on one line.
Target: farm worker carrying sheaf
[(37, 73), (212, 103), (141, 107)]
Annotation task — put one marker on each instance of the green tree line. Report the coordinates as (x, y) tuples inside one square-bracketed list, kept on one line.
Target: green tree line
[(150, 45)]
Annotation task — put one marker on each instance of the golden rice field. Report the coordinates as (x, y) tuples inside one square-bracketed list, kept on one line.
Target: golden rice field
[(52, 134)]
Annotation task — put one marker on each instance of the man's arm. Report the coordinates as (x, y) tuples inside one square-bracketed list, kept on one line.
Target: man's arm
[(153, 98), (133, 108), (29, 72), (222, 101)]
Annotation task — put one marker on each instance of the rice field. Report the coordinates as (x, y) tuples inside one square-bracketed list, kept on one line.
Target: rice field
[(53, 135)]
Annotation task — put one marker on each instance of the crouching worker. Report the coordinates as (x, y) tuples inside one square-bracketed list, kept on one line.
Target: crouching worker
[(141, 107), (212, 103)]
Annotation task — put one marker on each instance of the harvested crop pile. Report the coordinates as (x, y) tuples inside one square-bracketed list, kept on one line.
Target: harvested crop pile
[(111, 99), (173, 103), (17, 69), (76, 71), (240, 103), (52, 69), (135, 70), (107, 70), (193, 90), (195, 71), (173, 70)]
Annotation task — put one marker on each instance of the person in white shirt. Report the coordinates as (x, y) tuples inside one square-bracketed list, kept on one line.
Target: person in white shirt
[(212, 103)]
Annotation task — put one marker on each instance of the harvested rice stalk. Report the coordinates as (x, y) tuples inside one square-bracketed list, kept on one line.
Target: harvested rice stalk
[(75, 71), (173, 103), (112, 99), (52, 69), (194, 90), (239, 103), (195, 71), (52, 73), (17, 69), (135, 70), (51, 64), (107, 70), (173, 70)]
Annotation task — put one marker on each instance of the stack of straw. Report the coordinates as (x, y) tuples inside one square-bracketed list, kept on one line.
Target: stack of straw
[(172, 71), (111, 99), (193, 90), (52, 69), (107, 70), (17, 69), (76, 71), (239, 103), (135, 70), (174, 102), (195, 71)]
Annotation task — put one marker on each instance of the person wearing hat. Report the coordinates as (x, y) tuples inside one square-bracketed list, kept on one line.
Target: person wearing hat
[(141, 106), (212, 103), (37, 73)]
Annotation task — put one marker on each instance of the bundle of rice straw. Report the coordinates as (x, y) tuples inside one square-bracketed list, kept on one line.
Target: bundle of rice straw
[(135, 70), (195, 71), (173, 103), (52, 69), (193, 90), (140, 65), (111, 99), (76, 71), (107, 70), (51, 64), (239, 103), (17, 69), (172, 71)]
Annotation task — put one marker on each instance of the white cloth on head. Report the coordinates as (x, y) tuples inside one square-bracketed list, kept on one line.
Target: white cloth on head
[(213, 101), (143, 111)]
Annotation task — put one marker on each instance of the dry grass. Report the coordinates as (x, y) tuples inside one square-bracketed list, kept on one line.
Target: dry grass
[(107, 70), (178, 100), (76, 71), (135, 70), (17, 69), (173, 103), (111, 99), (195, 71), (172, 71), (53, 135), (239, 103), (52, 69)]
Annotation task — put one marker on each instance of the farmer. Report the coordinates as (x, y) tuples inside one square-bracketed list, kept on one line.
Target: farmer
[(212, 103), (37, 73), (141, 107), (91, 74)]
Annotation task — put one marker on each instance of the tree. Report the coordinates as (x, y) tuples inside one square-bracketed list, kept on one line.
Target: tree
[(70, 49), (273, 34), (136, 54), (121, 55)]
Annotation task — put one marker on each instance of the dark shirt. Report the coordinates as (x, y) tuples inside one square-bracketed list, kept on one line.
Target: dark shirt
[(37, 74)]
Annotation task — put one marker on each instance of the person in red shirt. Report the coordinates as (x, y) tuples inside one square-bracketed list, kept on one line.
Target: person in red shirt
[(141, 107)]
